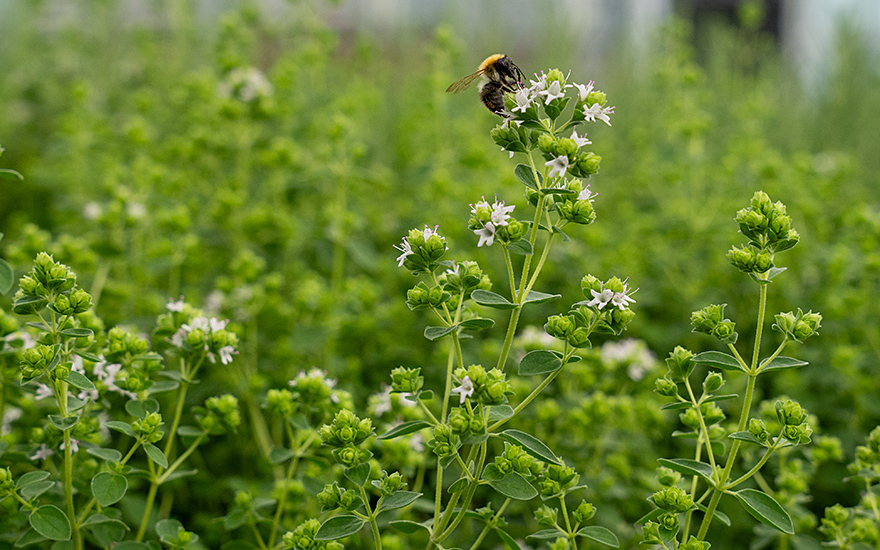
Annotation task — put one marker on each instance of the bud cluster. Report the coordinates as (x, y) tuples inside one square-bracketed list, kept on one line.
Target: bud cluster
[(390, 483), (313, 390), (219, 415), (122, 346), (333, 497), (769, 230), (148, 429), (584, 512), (710, 320), (515, 459), (793, 418), (37, 360), (407, 380), (556, 479), (575, 205), (345, 433), (798, 326), (445, 441), (711, 413), (609, 300), (56, 284), (281, 402), (489, 388), (489, 221), (546, 516), (463, 278), (303, 538), (464, 421), (673, 499), (868, 455), (422, 296), (421, 250)]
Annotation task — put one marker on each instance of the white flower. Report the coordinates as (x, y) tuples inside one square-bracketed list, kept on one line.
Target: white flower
[(558, 165), (43, 391), (226, 354), (584, 90), (596, 111), (10, 415), (500, 213), (600, 299), (578, 140), (92, 210), (465, 390), (406, 249), (417, 443), (428, 232), (523, 99), (42, 453), (486, 234), (217, 324), (586, 194), (74, 446), (622, 299), (175, 306), (539, 85), (553, 92)]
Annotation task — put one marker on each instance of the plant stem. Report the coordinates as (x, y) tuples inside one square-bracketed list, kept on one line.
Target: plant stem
[(371, 515), (704, 432), (530, 397), (151, 496), (489, 524)]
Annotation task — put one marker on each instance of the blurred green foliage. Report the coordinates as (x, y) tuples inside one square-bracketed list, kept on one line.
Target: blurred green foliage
[(266, 170)]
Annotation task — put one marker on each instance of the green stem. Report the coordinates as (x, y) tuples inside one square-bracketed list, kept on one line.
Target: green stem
[(690, 513), (180, 459), (754, 469), (151, 497), (371, 515), (775, 353), (529, 398), (704, 432), (489, 524)]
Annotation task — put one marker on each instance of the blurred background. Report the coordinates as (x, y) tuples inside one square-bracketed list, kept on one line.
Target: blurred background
[(261, 158)]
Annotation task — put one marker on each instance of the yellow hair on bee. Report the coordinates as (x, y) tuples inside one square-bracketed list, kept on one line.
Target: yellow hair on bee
[(489, 61)]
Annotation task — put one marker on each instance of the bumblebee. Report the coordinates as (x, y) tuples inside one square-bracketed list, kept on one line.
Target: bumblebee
[(501, 76)]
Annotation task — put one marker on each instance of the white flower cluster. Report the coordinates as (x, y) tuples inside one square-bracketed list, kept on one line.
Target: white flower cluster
[(620, 299), (245, 84), (207, 326), (497, 218)]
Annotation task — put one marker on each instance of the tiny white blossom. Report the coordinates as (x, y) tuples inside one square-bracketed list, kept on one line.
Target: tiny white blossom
[(558, 165), (92, 210), (623, 298), (554, 91), (539, 85), (578, 140), (226, 354), (42, 453), (465, 390), (74, 445), (406, 249), (600, 299), (10, 415), (486, 234), (586, 194), (218, 324), (584, 90), (523, 99), (500, 213), (43, 391), (175, 306), (596, 111)]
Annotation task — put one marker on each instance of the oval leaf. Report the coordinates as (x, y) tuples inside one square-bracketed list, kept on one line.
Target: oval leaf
[(531, 445), (77, 332), (109, 488), (719, 360), (398, 499), (358, 475), (676, 406), (539, 362), (765, 509), (525, 174), (279, 455), (406, 526), (156, 455), (600, 534), (499, 412), (491, 299), (689, 467), (477, 323), (30, 478), (521, 247), (338, 527), (782, 363), (63, 423), (433, 333), (535, 297), (514, 486), (80, 381), (120, 426), (7, 277), (50, 522), (547, 534), (405, 429), (509, 542)]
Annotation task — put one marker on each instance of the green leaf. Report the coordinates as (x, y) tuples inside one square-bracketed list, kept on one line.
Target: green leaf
[(650, 516), (156, 455), (31, 478), (63, 423), (279, 455), (514, 486), (161, 386), (338, 527), (491, 299), (774, 271), (547, 534), (77, 332), (477, 323), (539, 362), (405, 429), (600, 534), (521, 247), (557, 191), (458, 485), (34, 490), (531, 445), (120, 426), (535, 297), (765, 509), (80, 381), (140, 409), (745, 436), (109, 488), (98, 519), (676, 406), (7, 276), (525, 174), (433, 333), (41, 326), (358, 475), (782, 363), (74, 403), (29, 304), (29, 537), (167, 529), (398, 499), (724, 397), (88, 356), (235, 519), (499, 412), (689, 467), (50, 522), (722, 517), (509, 542), (189, 431), (718, 360), (407, 526)]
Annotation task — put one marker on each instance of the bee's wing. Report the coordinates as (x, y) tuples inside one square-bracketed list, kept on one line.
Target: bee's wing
[(464, 83)]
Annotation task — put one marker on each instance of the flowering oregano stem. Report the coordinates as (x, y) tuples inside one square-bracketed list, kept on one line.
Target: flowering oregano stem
[(754, 469), (511, 278), (489, 524), (743, 419), (374, 527), (775, 353), (568, 530), (540, 265), (690, 513), (465, 505), (704, 433), (181, 458), (290, 470)]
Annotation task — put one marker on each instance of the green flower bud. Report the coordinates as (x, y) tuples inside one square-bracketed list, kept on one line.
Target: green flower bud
[(350, 456), (62, 371), (589, 283), (694, 544), (566, 146), (690, 418), (547, 144), (679, 364), (595, 97), (459, 420), (651, 533), (329, 497), (391, 483), (763, 262), (799, 434), (673, 499), (762, 203), (350, 500), (580, 338), (667, 476), (668, 522), (790, 413), (666, 387), (561, 543), (584, 512), (742, 258), (545, 516), (712, 382), (759, 430), (406, 380), (445, 442), (725, 331), (712, 413), (587, 165), (707, 319), (6, 481), (560, 326), (280, 402)]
